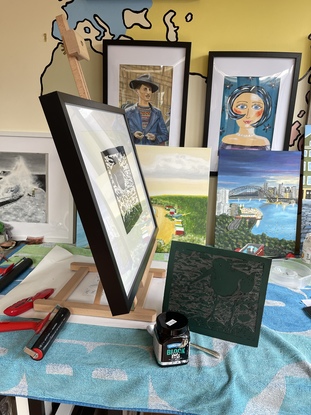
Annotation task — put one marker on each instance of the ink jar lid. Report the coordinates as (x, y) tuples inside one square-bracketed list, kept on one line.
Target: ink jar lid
[(171, 323)]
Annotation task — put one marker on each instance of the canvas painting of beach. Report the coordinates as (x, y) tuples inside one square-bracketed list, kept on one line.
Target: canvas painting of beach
[(177, 180)]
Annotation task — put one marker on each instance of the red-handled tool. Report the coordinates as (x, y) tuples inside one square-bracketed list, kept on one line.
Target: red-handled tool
[(27, 303), (24, 325), (46, 331)]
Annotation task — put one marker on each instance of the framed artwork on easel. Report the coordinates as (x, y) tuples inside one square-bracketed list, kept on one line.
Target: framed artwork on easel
[(104, 175)]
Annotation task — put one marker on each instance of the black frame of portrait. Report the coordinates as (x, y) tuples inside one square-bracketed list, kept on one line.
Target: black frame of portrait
[(285, 65), (101, 164), (151, 53)]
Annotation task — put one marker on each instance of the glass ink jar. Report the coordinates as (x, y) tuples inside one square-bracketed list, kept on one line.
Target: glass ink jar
[(171, 339)]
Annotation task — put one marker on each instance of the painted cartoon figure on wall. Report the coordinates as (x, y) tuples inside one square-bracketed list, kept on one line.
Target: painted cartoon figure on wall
[(248, 113), (145, 121)]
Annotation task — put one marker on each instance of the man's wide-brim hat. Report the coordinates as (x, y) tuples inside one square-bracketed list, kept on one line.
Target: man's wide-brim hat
[(143, 79)]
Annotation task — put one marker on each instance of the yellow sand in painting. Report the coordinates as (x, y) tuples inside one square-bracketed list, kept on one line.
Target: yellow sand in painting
[(166, 226)]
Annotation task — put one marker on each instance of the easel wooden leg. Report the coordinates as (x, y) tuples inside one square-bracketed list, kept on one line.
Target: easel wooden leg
[(139, 313)]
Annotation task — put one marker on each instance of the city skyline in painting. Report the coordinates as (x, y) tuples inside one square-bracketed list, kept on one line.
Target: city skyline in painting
[(257, 201), (242, 167)]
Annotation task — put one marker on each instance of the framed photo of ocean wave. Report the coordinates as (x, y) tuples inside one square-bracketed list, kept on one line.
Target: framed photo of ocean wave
[(257, 201), (35, 199), (221, 292)]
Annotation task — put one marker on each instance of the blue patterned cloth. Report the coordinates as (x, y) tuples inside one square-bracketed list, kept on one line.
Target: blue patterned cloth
[(115, 368)]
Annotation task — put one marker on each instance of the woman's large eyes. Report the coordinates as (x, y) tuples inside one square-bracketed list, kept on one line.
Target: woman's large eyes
[(256, 107), (241, 106)]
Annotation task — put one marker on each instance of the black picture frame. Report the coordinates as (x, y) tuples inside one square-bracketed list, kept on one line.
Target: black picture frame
[(277, 72), (139, 57), (102, 169)]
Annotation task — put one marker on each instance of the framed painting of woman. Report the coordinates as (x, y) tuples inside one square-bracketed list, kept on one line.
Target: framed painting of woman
[(250, 101)]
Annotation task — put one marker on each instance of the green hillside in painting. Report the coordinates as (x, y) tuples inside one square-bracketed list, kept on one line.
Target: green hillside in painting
[(181, 218)]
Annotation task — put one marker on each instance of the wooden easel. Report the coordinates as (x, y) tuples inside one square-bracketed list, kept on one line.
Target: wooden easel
[(76, 50), (96, 309)]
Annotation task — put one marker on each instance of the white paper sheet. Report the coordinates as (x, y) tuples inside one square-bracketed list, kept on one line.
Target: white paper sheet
[(54, 271)]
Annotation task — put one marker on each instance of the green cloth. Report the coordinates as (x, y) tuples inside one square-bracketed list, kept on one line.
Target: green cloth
[(38, 252)]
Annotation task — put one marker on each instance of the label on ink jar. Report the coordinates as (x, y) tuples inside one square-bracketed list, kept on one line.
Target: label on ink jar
[(171, 339)]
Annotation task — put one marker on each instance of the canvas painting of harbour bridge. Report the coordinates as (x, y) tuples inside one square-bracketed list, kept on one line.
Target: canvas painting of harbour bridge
[(257, 201)]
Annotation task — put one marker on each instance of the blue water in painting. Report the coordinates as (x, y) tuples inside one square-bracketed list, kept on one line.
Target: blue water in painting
[(279, 221)]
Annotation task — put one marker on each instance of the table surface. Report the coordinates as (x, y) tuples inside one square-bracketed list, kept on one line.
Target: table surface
[(110, 364)]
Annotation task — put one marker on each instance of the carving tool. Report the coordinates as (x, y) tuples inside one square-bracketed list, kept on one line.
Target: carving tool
[(14, 272), (27, 303), (46, 331), (206, 350)]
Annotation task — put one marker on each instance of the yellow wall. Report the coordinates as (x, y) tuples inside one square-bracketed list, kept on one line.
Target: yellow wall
[(27, 46), (235, 26)]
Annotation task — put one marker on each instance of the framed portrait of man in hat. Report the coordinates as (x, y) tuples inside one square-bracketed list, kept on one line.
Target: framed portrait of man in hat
[(145, 94), (149, 80)]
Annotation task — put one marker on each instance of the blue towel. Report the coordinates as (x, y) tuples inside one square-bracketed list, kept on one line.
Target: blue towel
[(115, 368)]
